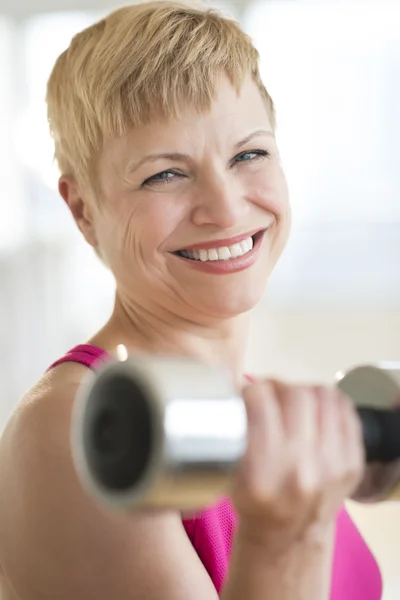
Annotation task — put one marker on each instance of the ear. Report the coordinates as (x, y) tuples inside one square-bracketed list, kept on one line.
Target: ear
[(80, 207)]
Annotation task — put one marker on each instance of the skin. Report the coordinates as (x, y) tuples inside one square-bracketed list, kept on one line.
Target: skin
[(161, 302), (304, 453)]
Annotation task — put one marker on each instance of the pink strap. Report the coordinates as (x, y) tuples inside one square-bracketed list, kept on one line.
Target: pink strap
[(85, 354)]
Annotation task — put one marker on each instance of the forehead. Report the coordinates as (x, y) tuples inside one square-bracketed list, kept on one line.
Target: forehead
[(231, 117)]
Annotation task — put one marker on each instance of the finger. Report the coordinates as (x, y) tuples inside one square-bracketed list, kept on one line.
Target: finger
[(329, 451), (329, 424), (352, 444), (299, 413), (265, 432), (299, 409), (330, 434)]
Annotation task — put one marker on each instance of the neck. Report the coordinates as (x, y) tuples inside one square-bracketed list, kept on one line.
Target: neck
[(148, 330)]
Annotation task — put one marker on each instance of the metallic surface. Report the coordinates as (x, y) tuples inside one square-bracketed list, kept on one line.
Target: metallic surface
[(376, 386), (197, 433)]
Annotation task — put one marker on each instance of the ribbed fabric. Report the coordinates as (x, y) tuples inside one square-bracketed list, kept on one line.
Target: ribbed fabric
[(355, 574), (84, 354)]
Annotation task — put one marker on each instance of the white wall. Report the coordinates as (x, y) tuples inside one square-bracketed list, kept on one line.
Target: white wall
[(314, 344)]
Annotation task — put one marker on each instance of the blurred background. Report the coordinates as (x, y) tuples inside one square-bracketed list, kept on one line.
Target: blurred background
[(333, 70)]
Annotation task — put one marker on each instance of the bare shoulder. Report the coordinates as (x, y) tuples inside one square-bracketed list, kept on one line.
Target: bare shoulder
[(56, 385), (56, 542), (51, 399)]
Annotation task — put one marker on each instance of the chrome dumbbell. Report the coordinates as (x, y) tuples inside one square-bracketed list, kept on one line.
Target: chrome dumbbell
[(375, 390), (168, 431)]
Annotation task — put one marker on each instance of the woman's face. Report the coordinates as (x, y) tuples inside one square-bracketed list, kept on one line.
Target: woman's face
[(200, 182)]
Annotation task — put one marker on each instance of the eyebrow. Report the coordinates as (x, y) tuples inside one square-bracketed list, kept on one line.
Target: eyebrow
[(257, 133), (178, 156)]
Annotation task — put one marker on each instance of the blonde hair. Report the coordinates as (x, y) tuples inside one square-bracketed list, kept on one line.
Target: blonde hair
[(142, 62)]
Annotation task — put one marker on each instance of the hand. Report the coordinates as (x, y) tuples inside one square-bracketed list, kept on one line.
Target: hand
[(304, 456)]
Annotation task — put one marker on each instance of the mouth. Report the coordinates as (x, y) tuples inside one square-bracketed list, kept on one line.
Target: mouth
[(222, 253)]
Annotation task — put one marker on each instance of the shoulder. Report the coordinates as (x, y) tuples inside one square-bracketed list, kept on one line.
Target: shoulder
[(52, 394), (32, 431), (42, 410), (56, 540), (41, 415)]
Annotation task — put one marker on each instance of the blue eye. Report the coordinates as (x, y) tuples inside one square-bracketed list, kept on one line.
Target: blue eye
[(163, 177), (171, 175), (251, 155)]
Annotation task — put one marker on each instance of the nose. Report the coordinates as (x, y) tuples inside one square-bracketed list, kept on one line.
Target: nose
[(220, 203)]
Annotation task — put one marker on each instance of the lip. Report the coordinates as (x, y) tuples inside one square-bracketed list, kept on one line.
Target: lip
[(232, 265), (223, 243)]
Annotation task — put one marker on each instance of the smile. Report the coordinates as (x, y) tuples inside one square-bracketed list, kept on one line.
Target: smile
[(221, 253), (224, 258), (238, 246)]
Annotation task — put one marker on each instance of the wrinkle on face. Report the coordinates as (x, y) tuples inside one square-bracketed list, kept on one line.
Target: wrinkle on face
[(141, 225)]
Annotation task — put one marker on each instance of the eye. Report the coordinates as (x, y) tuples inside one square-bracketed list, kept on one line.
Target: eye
[(162, 178), (251, 155)]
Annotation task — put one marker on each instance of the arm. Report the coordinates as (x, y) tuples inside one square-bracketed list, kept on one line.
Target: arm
[(305, 455), (302, 573), (56, 543)]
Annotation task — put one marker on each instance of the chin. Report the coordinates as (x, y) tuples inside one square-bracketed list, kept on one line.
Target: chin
[(228, 302)]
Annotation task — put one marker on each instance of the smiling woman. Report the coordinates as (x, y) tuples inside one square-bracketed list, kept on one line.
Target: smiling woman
[(205, 185), (165, 138)]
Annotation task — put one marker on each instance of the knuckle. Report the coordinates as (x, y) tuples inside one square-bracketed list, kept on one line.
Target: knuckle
[(255, 397), (262, 496), (352, 479), (356, 466), (295, 397), (343, 473), (320, 390), (306, 487), (323, 393), (302, 390), (254, 391), (257, 496), (305, 477), (285, 392)]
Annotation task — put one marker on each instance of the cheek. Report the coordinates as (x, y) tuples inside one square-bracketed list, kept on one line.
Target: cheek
[(154, 225), (138, 231), (270, 191), (114, 232)]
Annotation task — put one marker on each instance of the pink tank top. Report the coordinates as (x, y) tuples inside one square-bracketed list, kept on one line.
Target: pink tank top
[(355, 574)]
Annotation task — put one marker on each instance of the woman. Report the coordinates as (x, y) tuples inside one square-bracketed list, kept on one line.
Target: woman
[(164, 135)]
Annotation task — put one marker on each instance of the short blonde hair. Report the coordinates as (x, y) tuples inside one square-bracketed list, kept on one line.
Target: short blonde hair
[(141, 62)]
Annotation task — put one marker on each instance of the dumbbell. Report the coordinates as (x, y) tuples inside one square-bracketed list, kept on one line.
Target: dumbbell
[(168, 432)]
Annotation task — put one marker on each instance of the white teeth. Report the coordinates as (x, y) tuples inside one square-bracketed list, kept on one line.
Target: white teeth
[(244, 246), (247, 245), (203, 255), (213, 254), (236, 250), (223, 253)]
